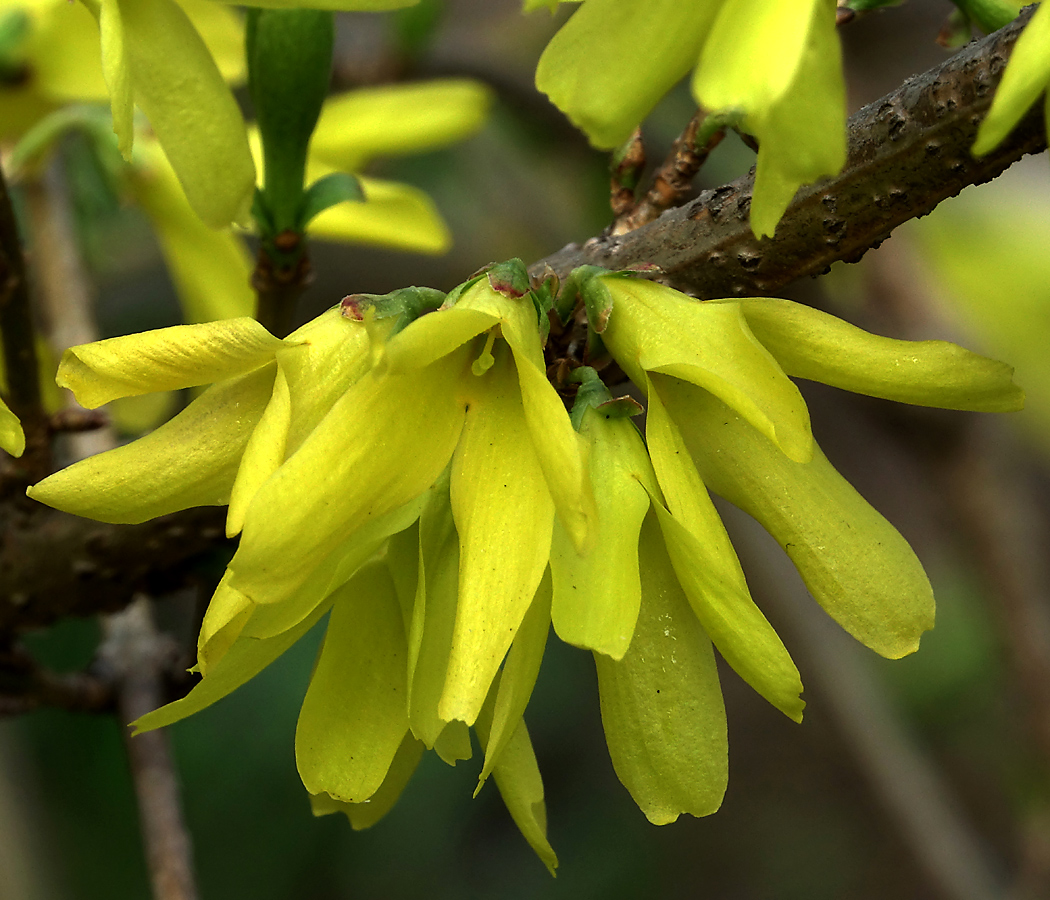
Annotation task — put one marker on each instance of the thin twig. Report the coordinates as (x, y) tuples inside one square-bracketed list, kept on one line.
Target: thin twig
[(673, 181), (279, 285), (139, 656), (25, 685), (19, 344), (627, 166)]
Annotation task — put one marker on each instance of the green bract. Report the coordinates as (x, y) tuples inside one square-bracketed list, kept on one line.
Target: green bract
[(405, 466), (774, 69)]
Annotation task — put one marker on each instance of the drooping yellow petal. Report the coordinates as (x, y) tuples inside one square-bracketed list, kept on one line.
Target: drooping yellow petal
[(227, 613), (180, 89), (811, 344), (262, 456), (392, 215), (245, 659), (520, 784), (709, 572), (597, 594), (856, 565), (661, 704), (353, 719), (12, 438), (396, 119), (433, 616), (502, 557), (366, 814), (753, 52), (166, 359), (116, 69), (656, 329), (190, 461), (518, 678), (1026, 77), (613, 61), (211, 269), (384, 442), (435, 335)]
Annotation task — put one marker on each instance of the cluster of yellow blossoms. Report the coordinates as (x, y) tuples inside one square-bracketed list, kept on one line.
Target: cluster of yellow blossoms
[(404, 464)]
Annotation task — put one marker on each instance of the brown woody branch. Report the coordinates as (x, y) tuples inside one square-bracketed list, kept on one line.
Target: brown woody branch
[(908, 152)]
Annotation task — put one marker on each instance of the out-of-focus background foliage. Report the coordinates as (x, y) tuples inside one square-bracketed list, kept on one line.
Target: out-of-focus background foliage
[(923, 778)]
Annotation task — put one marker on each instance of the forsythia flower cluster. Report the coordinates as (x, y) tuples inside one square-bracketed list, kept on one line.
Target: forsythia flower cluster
[(404, 464)]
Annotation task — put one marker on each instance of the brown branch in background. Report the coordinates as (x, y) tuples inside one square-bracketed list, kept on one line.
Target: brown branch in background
[(138, 656), (673, 181), (19, 345), (907, 152), (26, 686), (626, 171)]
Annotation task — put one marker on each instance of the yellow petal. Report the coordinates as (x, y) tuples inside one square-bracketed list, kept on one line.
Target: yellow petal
[(227, 613), (517, 776), (856, 565), (366, 814), (656, 329), (361, 5), (397, 119), (166, 359), (211, 269), (12, 438), (597, 595), (262, 456), (811, 344), (353, 718), (661, 704), (394, 215), (116, 69), (190, 461), (502, 557), (709, 572), (245, 659), (384, 442), (518, 678)]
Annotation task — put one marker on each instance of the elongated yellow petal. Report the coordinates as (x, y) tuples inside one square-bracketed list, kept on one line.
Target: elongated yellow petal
[(167, 359), (262, 456), (597, 595), (656, 329), (392, 215), (1026, 77), (395, 119), (856, 565), (353, 718), (190, 461), (585, 72), (116, 70), (366, 814), (245, 659), (433, 617), (435, 335), (754, 51), (709, 572), (227, 613), (211, 269), (811, 344), (384, 442), (661, 704), (12, 438), (502, 556), (517, 775), (518, 677)]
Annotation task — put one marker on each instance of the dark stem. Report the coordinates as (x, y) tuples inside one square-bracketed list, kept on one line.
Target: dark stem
[(19, 342), (281, 276), (907, 152)]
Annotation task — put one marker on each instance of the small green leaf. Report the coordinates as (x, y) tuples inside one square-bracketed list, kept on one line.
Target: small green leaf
[(339, 187)]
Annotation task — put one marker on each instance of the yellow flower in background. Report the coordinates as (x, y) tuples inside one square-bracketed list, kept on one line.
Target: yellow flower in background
[(772, 68), (12, 438)]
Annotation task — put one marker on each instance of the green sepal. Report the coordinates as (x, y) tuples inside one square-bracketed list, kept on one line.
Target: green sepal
[(289, 55), (261, 214), (989, 15), (593, 394), (404, 305), (338, 187), (584, 282), (510, 278)]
